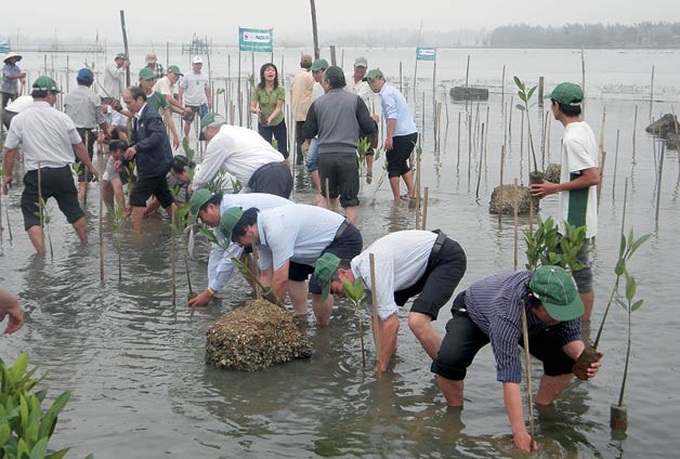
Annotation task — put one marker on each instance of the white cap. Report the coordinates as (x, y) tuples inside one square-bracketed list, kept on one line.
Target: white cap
[(197, 60)]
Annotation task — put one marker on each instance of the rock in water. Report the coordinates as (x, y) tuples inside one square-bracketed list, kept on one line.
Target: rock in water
[(512, 195), (254, 337)]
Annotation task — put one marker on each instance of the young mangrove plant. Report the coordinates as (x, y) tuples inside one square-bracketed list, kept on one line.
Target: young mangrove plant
[(265, 292), (546, 246), (525, 95), (356, 294), (117, 216), (627, 248), (26, 428)]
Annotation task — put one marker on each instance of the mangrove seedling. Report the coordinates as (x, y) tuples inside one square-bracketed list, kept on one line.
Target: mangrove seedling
[(218, 182), (356, 294), (26, 428), (543, 244), (236, 185), (266, 292), (627, 248), (525, 96), (44, 221), (179, 225)]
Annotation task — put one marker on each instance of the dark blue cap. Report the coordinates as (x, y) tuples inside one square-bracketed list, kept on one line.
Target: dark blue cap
[(85, 74)]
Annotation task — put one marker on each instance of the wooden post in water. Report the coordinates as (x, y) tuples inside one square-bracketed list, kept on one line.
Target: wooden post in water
[(458, 145), (375, 320), (634, 131), (401, 77), (426, 195), (315, 30), (516, 232), (101, 214), (125, 45), (479, 171), (500, 190), (616, 162), (651, 96), (333, 58), (583, 83), (658, 188)]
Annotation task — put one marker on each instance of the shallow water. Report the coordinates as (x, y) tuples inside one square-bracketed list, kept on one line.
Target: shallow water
[(134, 361)]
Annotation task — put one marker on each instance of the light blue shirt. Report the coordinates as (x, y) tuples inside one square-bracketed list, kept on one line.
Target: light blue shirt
[(220, 267), (297, 233), (394, 106)]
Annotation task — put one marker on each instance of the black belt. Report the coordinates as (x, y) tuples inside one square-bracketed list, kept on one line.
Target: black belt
[(436, 248), (343, 226)]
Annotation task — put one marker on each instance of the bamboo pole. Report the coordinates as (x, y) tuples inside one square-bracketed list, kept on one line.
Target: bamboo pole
[(515, 227), (374, 314), (479, 171), (616, 162), (651, 96), (101, 214), (500, 189), (634, 131), (315, 30), (527, 361), (423, 226), (658, 188), (125, 46), (458, 145)]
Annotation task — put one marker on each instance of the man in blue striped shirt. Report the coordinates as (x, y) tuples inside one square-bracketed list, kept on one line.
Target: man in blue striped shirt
[(489, 311)]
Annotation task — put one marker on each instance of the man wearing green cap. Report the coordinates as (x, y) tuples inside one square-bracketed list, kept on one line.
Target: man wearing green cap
[(114, 78), (577, 190), (48, 139), (290, 239), (401, 135), (260, 167), (209, 208), (318, 68), (166, 86), (423, 264), (490, 311)]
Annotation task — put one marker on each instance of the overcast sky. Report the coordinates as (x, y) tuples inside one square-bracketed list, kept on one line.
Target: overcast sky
[(220, 19)]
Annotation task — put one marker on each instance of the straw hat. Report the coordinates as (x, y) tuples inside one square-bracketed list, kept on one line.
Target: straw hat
[(11, 55)]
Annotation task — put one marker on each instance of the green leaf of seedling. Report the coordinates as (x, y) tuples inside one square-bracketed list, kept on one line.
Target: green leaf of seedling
[(58, 454), (637, 305), (631, 287), (5, 433), (621, 303), (636, 245), (518, 82), (520, 107), (40, 449), (620, 267), (60, 402), (210, 235)]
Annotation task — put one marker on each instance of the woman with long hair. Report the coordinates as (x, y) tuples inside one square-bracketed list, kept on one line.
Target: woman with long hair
[(267, 103)]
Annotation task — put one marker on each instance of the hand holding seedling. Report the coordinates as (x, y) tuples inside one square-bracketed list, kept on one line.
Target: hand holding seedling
[(546, 188), (130, 153)]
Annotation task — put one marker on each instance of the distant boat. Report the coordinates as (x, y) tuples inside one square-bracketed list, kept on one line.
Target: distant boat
[(469, 93)]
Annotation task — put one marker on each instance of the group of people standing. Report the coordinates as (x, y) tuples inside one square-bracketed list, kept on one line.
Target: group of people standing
[(303, 249)]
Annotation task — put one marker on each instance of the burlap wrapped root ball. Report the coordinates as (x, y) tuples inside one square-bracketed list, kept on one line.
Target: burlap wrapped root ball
[(254, 337)]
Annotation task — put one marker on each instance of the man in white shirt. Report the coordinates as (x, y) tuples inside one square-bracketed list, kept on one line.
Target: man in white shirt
[(209, 208), (289, 240), (194, 93), (577, 190), (245, 155), (407, 263), (114, 78)]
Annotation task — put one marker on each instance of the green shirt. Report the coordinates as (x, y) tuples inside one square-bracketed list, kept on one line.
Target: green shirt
[(157, 101), (268, 101)]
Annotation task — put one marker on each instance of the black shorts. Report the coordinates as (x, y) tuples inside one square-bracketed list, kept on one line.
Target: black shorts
[(397, 157), (7, 118), (272, 178), (342, 172), (345, 246), (144, 187), (464, 339), (56, 183), (436, 286), (88, 138)]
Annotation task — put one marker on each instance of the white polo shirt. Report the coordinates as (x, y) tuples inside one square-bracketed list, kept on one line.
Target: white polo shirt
[(45, 135)]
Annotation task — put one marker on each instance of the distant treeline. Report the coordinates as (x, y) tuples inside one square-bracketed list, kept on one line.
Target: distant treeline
[(642, 35)]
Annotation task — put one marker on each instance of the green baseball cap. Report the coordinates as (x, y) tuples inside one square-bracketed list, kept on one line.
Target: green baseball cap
[(555, 288), (566, 94), (374, 74), (174, 69), (324, 270), (210, 118), (120, 56), (198, 200), (45, 83), (147, 74), (319, 64), (229, 220)]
